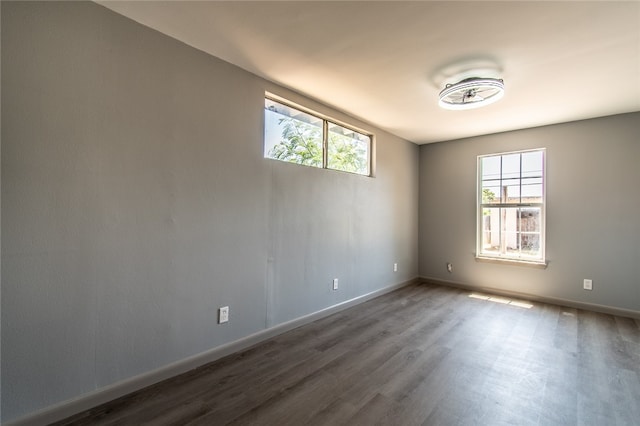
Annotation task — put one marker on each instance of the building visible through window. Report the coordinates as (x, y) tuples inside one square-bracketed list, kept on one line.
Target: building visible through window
[(511, 209)]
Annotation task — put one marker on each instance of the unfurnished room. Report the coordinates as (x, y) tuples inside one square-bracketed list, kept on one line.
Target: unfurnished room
[(320, 213)]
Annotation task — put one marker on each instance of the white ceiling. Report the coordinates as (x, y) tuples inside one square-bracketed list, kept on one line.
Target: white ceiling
[(561, 61)]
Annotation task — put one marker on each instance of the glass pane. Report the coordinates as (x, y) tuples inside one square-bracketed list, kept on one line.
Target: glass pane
[(530, 245), (491, 168), (530, 225), (532, 164), (510, 228), (292, 135), (511, 166), (530, 219), (511, 191), (490, 231), (490, 194), (532, 190), (348, 150)]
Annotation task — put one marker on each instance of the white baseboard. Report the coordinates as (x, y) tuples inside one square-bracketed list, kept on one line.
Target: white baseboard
[(612, 310), (116, 390)]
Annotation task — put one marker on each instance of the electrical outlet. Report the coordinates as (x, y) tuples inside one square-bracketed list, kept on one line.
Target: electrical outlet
[(587, 284), (223, 314), (395, 267), (449, 267), (335, 283)]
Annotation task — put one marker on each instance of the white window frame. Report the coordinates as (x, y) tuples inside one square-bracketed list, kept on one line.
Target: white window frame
[(503, 256), (327, 122)]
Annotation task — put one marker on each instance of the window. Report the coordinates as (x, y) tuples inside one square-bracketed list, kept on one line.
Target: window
[(301, 137), (511, 193)]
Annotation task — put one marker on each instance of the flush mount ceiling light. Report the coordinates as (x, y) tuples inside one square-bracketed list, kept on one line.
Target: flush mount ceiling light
[(468, 83), (471, 92)]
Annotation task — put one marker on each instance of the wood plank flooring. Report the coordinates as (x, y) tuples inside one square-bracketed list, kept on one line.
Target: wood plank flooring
[(422, 355)]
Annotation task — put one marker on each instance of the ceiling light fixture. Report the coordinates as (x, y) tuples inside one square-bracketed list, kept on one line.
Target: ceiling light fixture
[(471, 92)]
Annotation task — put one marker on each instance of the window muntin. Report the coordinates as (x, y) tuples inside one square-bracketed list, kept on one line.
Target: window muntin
[(511, 206), (303, 138)]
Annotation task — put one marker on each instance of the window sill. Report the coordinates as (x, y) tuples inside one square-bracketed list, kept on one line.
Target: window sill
[(515, 262)]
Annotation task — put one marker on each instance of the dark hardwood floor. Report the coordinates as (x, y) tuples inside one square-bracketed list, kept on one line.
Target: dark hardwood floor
[(422, 355)]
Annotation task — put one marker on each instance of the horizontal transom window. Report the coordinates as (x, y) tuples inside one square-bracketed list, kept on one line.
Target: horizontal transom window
[(304, 138)]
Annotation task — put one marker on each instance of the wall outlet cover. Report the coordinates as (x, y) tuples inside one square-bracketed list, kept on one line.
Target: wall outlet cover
[(223, 314)]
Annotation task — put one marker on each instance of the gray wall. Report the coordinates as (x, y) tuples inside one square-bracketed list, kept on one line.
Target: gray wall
[(0, 227), (593, 200), (136, 201)]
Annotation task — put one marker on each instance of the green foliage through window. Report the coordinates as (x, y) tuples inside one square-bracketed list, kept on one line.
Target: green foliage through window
[(298, 137), (348, 150), (301, 143), (488, 195)]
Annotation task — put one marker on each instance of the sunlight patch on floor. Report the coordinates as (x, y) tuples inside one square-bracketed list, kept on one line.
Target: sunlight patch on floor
[(503, 300)]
